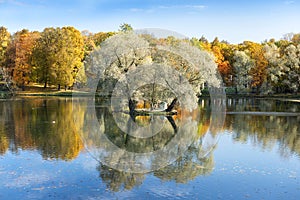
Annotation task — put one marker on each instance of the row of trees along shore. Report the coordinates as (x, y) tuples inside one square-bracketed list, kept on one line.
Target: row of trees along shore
[(56, 56)]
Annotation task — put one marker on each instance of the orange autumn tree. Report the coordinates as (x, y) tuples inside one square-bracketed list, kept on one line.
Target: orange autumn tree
[(259, 71), (222, 52), (224, 67), (21, 51)]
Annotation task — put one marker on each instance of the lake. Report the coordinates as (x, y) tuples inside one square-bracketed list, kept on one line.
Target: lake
[(64, 148)]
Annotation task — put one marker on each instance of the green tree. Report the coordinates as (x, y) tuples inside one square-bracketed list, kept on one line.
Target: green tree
[(125, 27)]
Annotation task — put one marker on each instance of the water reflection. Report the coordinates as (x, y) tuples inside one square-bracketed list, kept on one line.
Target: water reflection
[(123, 151), (187, 167), (47, 125), (266, 130), (190, 165), (119, 180), (42, 124), (129, 142)]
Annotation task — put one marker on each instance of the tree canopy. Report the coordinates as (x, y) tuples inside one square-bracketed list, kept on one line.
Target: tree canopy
[(139, 62), (56, 56)]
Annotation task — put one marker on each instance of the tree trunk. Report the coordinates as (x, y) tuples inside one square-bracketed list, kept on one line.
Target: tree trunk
[(45, 84), (58, 87), (131, 105), (172, 105), (23, 86), (172, 122)]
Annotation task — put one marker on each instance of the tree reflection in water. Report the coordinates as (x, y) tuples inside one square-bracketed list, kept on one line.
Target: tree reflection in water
[(47, 125), (44, 124), (119, 180), (188, 166), (266, 130)]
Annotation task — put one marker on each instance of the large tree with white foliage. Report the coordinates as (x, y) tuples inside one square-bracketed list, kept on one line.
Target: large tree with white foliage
[(291, 68), (274, 68), (121, 54), (242, 65)]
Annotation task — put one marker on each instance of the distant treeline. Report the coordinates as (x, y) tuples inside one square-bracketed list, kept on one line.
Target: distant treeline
[(56, 56)]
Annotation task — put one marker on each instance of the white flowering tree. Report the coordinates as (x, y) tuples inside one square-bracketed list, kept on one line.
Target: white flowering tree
[(116, 56), (242, 64), (126, 53), (5, 72), (290, 62), (274, 68), (283, 68)]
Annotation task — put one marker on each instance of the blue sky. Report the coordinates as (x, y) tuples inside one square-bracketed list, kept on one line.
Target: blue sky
[(234, 21)]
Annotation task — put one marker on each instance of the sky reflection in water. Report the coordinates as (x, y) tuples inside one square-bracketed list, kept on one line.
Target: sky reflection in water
[(257, 157)]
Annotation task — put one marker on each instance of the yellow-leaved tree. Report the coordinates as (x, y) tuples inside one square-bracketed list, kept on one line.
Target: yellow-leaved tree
[(58, 56)]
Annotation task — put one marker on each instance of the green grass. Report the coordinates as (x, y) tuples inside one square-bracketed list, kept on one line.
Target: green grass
[(48, 92)]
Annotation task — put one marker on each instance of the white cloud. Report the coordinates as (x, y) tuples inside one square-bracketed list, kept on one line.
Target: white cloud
[(191, 8), (136, 10), (197, 7)]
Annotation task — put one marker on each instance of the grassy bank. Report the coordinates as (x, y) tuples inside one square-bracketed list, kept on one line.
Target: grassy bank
[(70, 93), (67, 93), (39, 90)]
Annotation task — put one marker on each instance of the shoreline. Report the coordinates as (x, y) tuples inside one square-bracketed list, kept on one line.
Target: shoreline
[(70, 93), (258, 96)]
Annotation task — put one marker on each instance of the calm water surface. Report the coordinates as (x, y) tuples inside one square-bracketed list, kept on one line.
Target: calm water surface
[(48, 152)]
